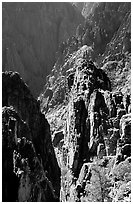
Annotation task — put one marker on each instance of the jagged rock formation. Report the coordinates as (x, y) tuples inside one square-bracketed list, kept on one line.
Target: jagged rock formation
[(94, 130), (28, 156), (31, 35), (102, 25), (112, 51), (86, 100), (92, 107), (116, 59), (108, 31)]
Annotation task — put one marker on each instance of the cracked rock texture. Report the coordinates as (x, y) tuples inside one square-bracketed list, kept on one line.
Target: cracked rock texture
[(96, 123), (28, 156), (87, 102), (87, 98)]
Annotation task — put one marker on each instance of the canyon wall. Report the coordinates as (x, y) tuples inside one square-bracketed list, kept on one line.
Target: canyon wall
[(28, 157), (91, 132), (31, 34), (81, 124), (87, 103)]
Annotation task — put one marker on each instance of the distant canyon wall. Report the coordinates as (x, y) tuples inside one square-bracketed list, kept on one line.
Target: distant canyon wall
[(31, 34)]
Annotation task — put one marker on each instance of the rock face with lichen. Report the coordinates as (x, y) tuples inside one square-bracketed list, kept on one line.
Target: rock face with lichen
[(28, 156)]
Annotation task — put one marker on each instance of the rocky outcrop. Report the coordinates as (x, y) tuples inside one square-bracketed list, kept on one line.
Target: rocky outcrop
[(107, 30), (59, 85), (96, 119), (94, 107), (107, 51), (23, 177), (104, 24), (86, 100), (31, 36), (28, 154), (95, 143)]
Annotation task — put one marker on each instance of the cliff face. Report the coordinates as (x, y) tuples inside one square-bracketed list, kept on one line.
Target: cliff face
[(94, 147), (28, 156), (31, 35), (87, 102), (116, 59), (91, 132), (88, 107), (103, 24), (107, 33)]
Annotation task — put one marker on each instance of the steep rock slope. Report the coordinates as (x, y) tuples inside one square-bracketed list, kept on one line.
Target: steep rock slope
[(89, 108), (31, 35), (116, 59), (28, 157), (107, 33), (102, 24), (91, 133)]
